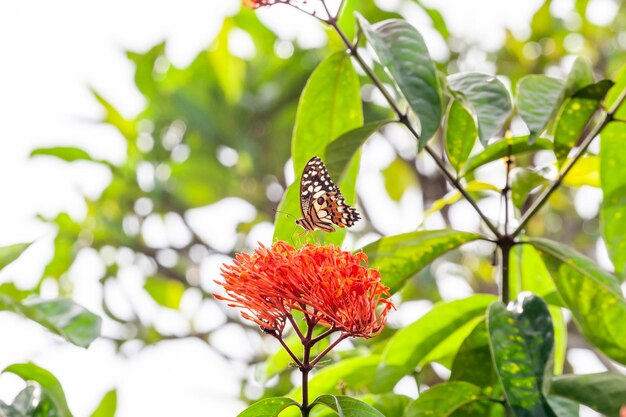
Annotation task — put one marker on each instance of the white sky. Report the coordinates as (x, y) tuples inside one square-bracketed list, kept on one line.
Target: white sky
[(50, 52)]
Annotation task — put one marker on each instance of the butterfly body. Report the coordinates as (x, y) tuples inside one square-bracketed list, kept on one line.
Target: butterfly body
[(321, 202)]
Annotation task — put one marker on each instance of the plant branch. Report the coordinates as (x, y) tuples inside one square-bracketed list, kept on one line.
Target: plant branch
[(605, 118), (328, 349), (403, 118), (284, 345)]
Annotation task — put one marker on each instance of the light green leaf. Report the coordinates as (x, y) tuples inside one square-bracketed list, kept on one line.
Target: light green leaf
[(391, 405), (523, 181), (10, 253), (521, 339), (402, 51), (613, 181), (107, 406), (50, 386), (453, 196), (61, 316), (592, 294), (586, 171), (518, 145), (165, 292), (489, 98), (408, 348), (460, 134), (604, 392), (68, 154), (400, 257), (25, 401), (346, 406), (398, 177), (444, 399), (574, 116), (268, 407), (614, 94), (538, 98), (329, 106), (563, 407)]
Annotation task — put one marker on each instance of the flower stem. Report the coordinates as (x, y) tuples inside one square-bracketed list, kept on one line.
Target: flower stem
[(328, 349), (402, 118)]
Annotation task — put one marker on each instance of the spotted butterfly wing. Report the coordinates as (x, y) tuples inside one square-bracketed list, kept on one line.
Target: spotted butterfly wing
[(321, 202)]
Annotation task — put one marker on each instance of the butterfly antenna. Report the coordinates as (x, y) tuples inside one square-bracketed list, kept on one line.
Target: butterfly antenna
[(285, 213)]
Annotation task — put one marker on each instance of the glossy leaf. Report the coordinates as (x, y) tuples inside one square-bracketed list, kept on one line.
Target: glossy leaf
[(338, 153), (563, 407), (347, 406), (523, 182), (10, 253), (575, 115), (518, 145), (50, 386), (330, 105), (62, 317), (410, 346), (444, 399), (592, 294), (107, 406), (400, 257), (521, 340), (613, 182), (165, 292), (489, 98), (268, 407), (460, 134), (604, 392), (402, 51), (538, 98)]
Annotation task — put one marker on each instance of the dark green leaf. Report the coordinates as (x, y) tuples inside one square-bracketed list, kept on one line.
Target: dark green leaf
[(613, 181), (460, 134), (444, 399), (563, 407), (165, 292), (107, 406), (489, 98), (473, 362), (61, 316), (518, 145), (347, 407), (50, 386), (330, 105), (574, 116), (68, 154), (538, 98), (10, 253), (268, 407), (592, 294), (604, 392), (521, 340), (410, 346), (400, 257), (401, 49), (339, 152)]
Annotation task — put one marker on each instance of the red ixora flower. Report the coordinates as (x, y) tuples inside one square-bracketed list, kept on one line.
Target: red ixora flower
[(253, 4), (330, 286)]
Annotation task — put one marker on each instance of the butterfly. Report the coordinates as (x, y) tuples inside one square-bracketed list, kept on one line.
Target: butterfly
[(321, 202)]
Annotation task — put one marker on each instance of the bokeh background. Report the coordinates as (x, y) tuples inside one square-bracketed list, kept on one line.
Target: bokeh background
[(146, 142)]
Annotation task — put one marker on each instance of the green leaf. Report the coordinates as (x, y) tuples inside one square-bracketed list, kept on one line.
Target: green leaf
[(68, 154), (472, 362), (400, 257), (229, 69), (61, 316), (107, 406), (453, 196), (460, 134), (339, 152), (398, 177), (444, 399), (268, 407), (165, 292), (592, 294), (613, 182), (538, 98), (25, 400), (586, 171), (604, 392), (346, 406), (489, 98), (10, 253), (575, 115), (563, 407), (8, 411), (330, 105), (523, 181), (615, 93), (402, 51), (518, 145), (391, 405), (521, 339), (409, 347), (50, 386)]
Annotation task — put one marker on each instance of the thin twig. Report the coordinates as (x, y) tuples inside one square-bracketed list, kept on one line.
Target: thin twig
[(328, 349)]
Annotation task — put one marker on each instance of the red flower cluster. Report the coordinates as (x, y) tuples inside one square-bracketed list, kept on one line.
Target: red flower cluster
[(331, 287), (253, 4)]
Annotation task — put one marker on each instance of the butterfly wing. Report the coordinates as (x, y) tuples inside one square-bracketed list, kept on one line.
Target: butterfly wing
[(321, 202)]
